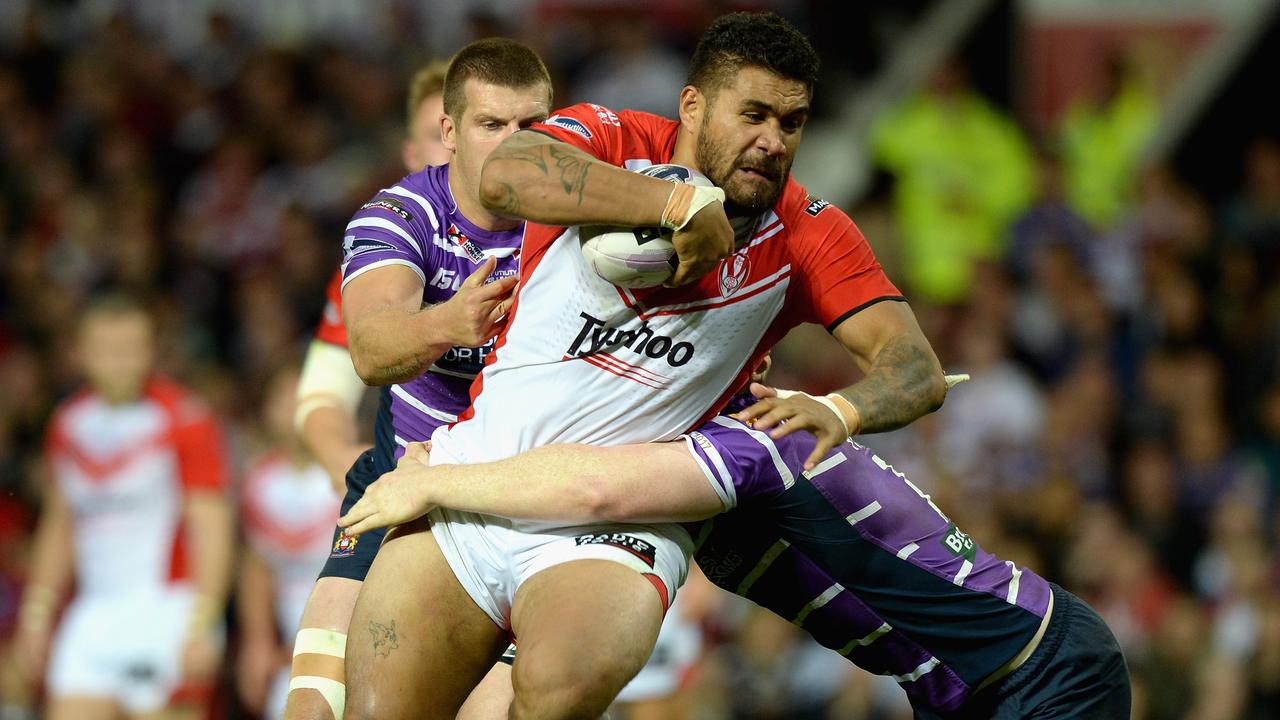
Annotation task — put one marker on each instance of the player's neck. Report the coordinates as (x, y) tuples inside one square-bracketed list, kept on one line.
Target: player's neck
[(467, 200)]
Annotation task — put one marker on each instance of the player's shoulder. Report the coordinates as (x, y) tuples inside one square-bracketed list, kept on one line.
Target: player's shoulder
[(181, 404), (417, 199), (261, 470), (809, 217), (588, 119), (80, 400)]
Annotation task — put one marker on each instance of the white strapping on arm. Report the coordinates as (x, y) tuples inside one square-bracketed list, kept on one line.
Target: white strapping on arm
[(328, 379)]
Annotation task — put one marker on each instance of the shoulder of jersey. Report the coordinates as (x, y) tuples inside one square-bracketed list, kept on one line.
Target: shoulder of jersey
[(184, 405), (800, 210)]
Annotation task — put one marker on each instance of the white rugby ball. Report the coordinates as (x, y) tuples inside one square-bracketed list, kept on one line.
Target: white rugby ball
[(637, 257)]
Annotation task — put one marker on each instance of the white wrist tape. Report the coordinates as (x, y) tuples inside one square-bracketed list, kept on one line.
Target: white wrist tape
[(328, 379), (685, 201)]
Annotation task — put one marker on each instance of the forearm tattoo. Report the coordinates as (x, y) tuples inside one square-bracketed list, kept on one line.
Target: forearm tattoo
[(897, 389)]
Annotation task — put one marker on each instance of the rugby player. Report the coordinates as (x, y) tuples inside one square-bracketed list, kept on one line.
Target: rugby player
[(287, 506), (135, 514), (582, 361), (850, 550), (426, 271)]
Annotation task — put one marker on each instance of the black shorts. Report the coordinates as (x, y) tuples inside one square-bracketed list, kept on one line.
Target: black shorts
[(1077, 672), (351, 557)]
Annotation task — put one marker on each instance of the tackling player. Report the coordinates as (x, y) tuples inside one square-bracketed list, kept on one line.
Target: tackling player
[(135, 514), (850, 550), (330, 391), (583, 361), (419, 317)]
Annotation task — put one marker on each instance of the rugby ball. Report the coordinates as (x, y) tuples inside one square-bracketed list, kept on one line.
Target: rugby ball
[(637, 257)]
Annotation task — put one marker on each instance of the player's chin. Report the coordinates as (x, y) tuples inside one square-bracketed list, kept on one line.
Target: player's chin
[(753, 198)]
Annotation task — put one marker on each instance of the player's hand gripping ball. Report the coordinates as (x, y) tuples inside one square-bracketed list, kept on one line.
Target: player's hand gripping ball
[(637, 257)]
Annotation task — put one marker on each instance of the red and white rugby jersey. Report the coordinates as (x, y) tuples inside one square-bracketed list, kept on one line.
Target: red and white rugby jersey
[(331, 328), (124, 471), (584, 361), (289, 512)]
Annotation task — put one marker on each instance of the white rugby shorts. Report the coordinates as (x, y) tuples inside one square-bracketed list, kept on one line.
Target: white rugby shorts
[(492, 559), (127, 647)]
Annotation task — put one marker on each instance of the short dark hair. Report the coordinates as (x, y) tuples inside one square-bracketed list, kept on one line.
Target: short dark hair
[(114, 303), (762, 40), (498, 61)]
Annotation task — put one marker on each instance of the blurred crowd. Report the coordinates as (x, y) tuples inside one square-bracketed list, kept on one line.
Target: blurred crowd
[(1120, 435)]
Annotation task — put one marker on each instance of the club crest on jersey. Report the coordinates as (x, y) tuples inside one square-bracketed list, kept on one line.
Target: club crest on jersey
[(468, 245), (569, 124), (634, 545), (390, 205), (734, 271), (816, 206), (344, 546)]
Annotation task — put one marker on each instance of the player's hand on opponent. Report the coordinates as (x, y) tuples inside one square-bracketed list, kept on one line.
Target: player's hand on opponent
[(397, 497), (703, 240), (831, 419), (472, 314)]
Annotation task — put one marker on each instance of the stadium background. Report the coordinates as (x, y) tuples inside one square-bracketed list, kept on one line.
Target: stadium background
[(1081, 199)]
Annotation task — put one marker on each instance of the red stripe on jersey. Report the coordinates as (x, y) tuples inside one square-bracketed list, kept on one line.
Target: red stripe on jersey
[(598, 362), (258, 520), (197, 439), (722, 303), (99, 471), (635, 368)]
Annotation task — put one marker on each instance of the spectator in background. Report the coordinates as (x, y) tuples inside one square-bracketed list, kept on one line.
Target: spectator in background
[(134, 514), (962, 172), (1103, 137), (288, 510)]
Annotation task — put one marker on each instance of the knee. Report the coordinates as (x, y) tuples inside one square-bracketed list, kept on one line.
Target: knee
[(547, 691)]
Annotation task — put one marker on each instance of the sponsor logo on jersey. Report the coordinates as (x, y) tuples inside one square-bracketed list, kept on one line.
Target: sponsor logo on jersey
[(353, 246), (959, 543), (733, 273), (596, 337), (464, 361), (469, 246), (606, 116), (390, 205), (570, 124), (634, 545), (816, 206), (344, 546)]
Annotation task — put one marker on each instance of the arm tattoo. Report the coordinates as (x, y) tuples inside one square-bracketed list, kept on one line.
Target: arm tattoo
[(573, 170), (384, 637), (896, 390)]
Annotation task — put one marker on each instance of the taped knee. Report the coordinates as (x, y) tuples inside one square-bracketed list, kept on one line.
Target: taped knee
[(319, 663)]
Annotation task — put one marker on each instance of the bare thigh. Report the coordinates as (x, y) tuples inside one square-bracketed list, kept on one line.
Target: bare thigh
[(491, 700), (584, 628), (418, 644)]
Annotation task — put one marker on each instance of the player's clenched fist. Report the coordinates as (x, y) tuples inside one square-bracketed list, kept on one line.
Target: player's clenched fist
[(704, 238), (397, 497), (472, 314)]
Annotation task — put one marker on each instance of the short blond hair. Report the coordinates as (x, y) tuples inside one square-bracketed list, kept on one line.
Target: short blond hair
[(427, 81)]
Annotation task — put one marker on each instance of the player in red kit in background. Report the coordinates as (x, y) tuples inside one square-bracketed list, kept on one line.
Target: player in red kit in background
[(135, 515)]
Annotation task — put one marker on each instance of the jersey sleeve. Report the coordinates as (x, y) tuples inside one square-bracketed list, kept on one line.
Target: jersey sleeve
[(743, 465), (840, 274), (198, 442), (594, 129), (331, 329), (387, 230)]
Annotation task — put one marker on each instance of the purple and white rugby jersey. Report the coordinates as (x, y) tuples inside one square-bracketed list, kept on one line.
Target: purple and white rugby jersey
[(416, 223), (859, 557)]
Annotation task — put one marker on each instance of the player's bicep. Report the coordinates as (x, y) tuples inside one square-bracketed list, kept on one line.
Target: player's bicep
[(659, 482), (392, 286), (867, 331)]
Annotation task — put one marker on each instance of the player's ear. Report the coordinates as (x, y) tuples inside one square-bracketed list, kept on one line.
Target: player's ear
[(692, 106), (448, 133)]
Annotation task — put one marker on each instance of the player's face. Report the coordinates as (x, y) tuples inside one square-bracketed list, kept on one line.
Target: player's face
[(116, 354), (491, 115), (748, 135), (423, 147)]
